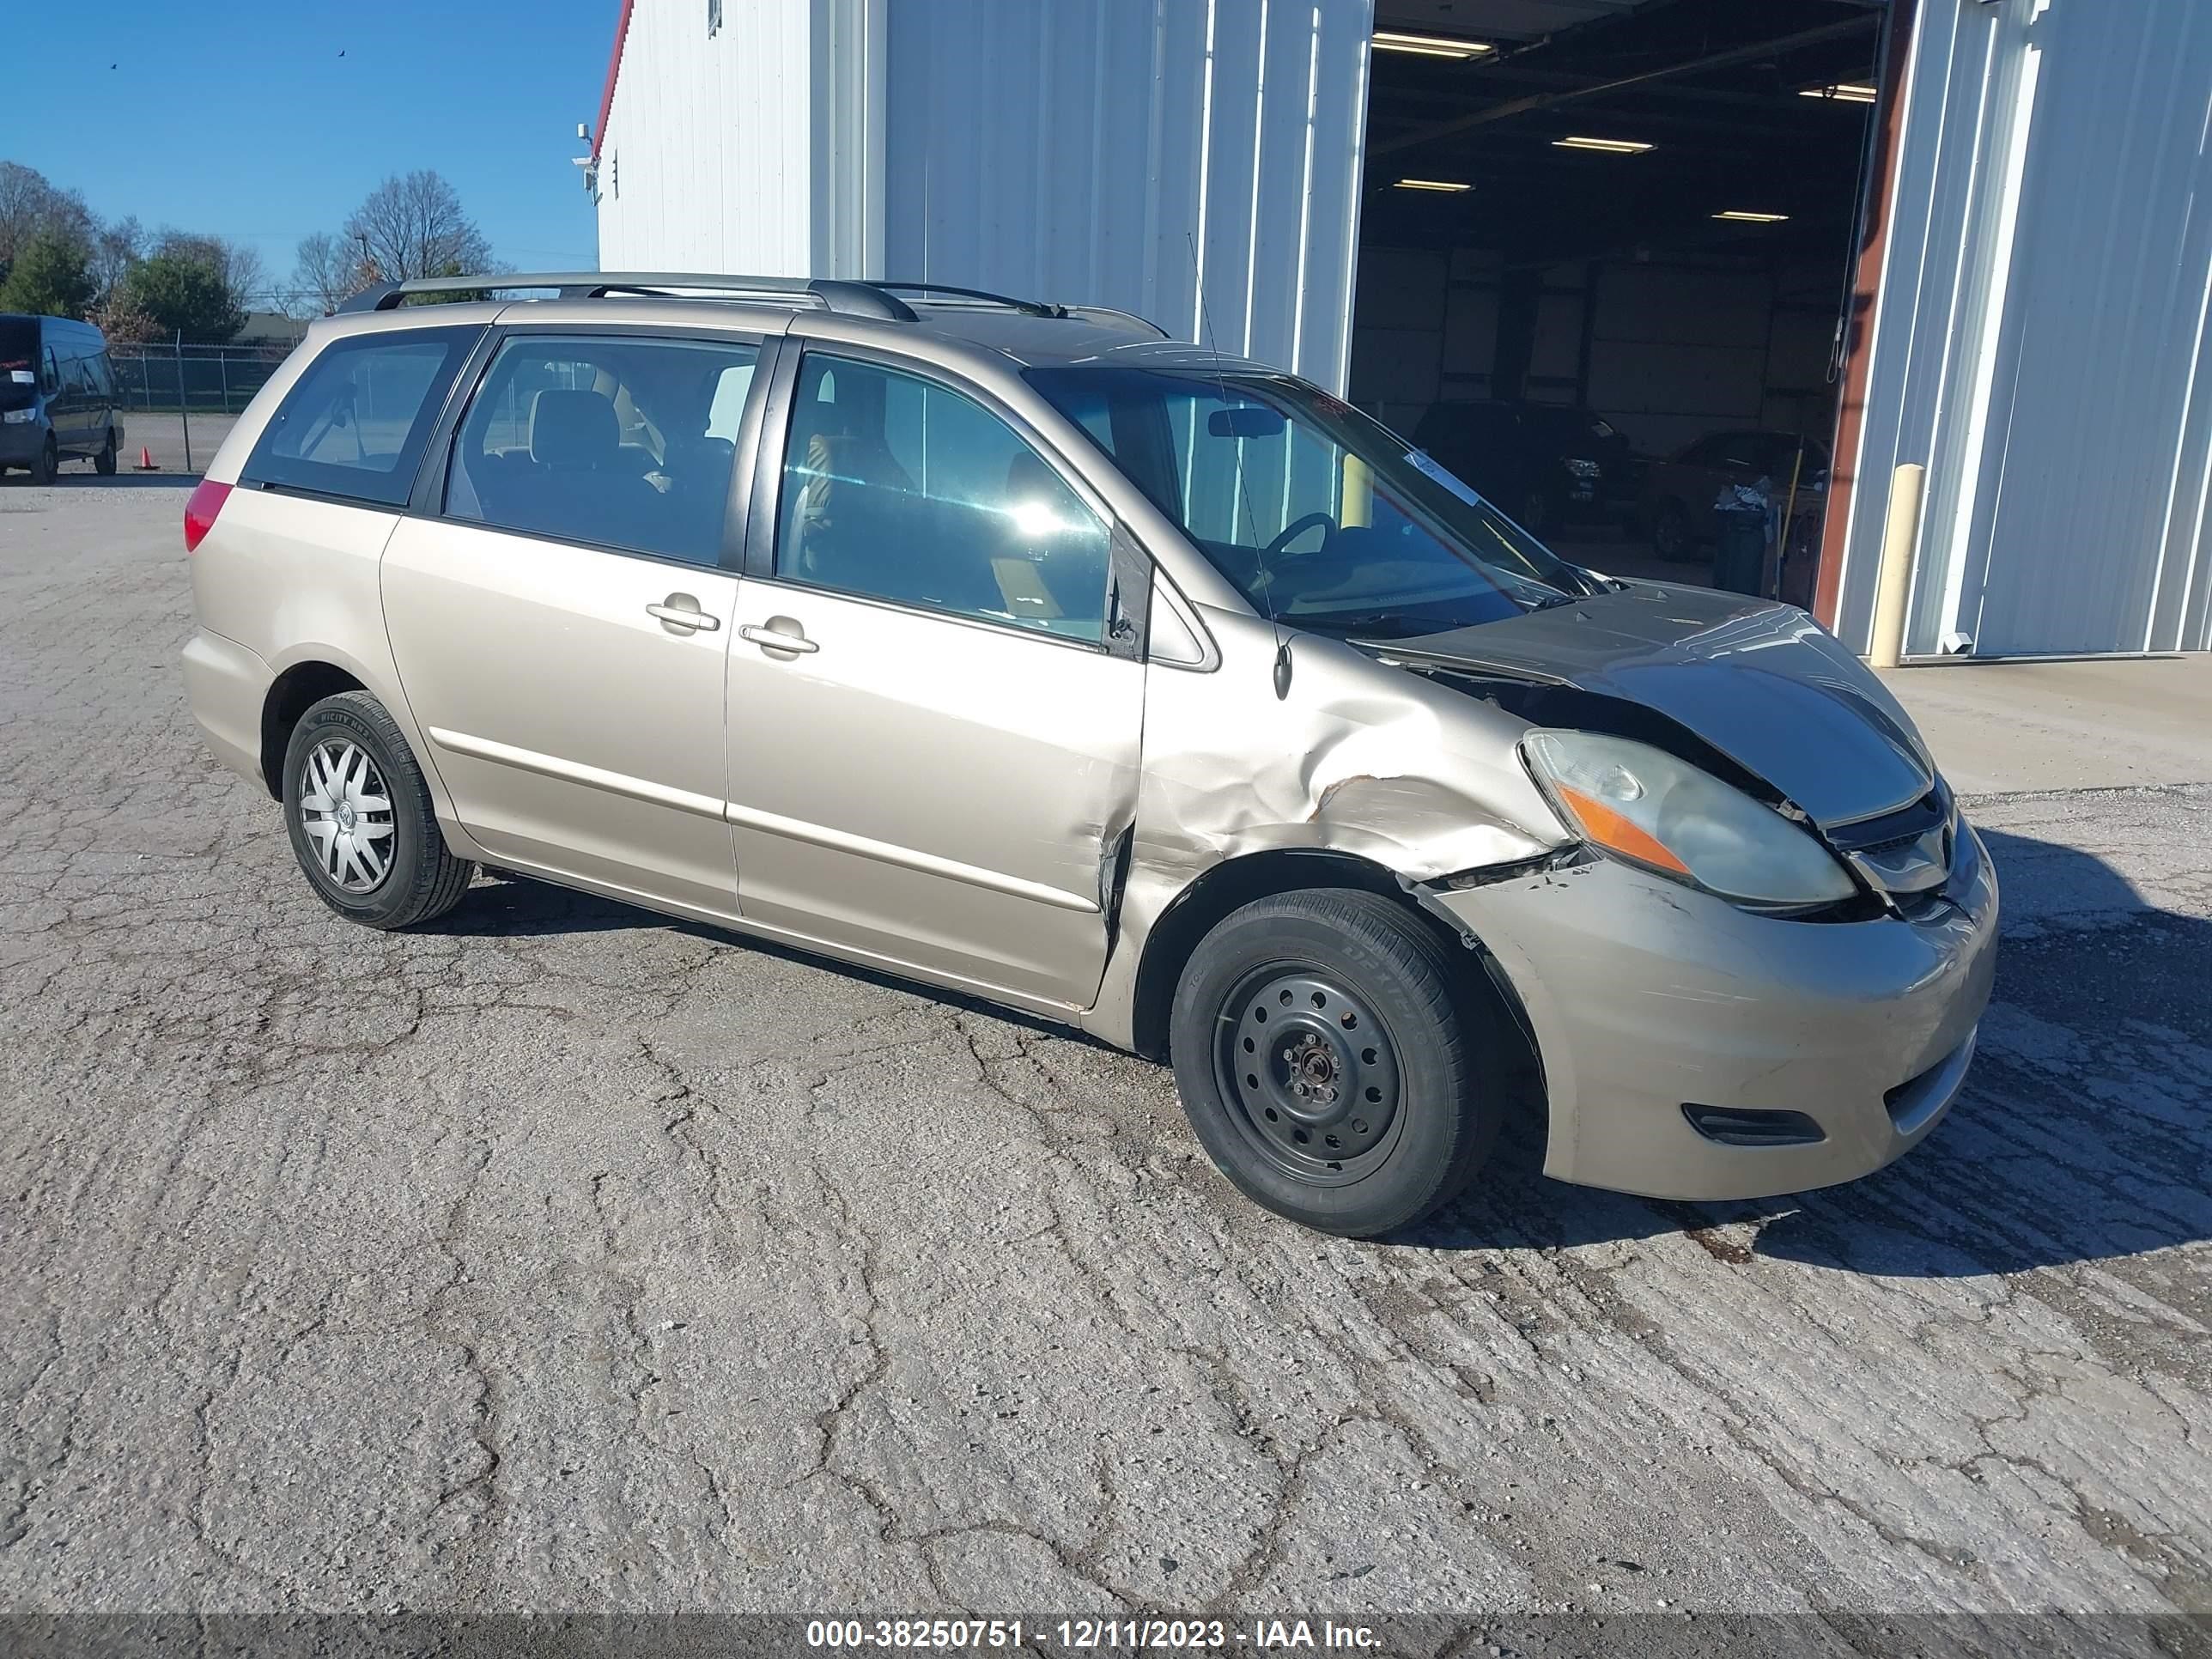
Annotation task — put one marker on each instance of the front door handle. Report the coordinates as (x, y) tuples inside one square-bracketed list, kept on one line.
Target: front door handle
[(771, 638), (686, 616)]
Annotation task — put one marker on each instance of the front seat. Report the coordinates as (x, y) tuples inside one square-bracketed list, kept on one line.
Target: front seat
[(849, 518)]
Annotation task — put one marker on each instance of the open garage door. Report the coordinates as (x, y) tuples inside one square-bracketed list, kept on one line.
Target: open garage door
[(1605, 248)]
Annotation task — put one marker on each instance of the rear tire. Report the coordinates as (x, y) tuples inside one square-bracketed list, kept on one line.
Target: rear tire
[(1328, 1065), (104, 462), (360, 819), (48, 463)]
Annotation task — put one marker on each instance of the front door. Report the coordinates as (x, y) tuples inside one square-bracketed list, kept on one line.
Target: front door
[(561, 628), (64, 406), (934, 738)]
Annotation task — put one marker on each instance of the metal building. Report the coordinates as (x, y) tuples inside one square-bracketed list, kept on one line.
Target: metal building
[(1197, 163), (2027, 318), (2038, 271)]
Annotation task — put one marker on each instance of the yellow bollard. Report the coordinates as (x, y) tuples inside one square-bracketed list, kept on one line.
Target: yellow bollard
[(1901, 549)]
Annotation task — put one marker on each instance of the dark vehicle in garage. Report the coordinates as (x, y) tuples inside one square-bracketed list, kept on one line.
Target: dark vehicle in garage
[(1679, 494), (1543, 464), (57, 396)]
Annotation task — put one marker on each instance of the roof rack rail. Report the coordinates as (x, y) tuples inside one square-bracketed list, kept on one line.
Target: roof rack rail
[(877, 299), (1029, 308), (1097, 313), (855, 298)]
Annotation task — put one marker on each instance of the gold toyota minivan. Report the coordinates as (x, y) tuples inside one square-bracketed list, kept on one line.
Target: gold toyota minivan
[(1018, 650)]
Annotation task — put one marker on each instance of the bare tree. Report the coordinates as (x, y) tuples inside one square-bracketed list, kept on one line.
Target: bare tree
[(329, 270), (412, 225), (29, 204), (116, 248)]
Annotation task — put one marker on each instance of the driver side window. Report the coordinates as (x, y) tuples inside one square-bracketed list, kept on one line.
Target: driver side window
[(896, 488)]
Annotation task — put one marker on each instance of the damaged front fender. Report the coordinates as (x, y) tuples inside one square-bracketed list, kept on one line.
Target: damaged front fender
[(1358, 759)]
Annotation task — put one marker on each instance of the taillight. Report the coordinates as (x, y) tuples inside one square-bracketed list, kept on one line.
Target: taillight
[(204, 502)]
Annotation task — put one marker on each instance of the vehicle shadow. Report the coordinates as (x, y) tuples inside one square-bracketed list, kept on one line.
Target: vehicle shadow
[(2080, 1136)]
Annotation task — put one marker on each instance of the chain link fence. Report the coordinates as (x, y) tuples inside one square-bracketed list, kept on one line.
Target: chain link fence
[(209, 380)]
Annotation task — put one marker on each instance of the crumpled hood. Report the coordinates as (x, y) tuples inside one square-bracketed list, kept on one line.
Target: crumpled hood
[(1762, 683)]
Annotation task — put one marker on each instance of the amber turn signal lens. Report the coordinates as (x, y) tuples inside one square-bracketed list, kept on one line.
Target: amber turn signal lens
[(1609, 830)]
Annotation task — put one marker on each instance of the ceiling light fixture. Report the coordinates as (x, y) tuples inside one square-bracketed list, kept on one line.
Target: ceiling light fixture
[(1609, 146), (1743, 217), (1845, 92), (1446, 184), (1430, 46)]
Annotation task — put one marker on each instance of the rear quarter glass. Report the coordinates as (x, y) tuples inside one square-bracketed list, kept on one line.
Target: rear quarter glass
[(353, 425)]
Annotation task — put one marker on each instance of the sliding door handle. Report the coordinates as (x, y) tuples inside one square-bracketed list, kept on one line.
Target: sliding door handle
[(687, 616)]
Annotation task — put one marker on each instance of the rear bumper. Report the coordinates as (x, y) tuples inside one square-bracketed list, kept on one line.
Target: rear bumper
[(1647, 998), (226, 686)]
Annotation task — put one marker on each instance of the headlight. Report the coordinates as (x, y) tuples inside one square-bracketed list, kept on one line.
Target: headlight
[(1643, 805), (20, 416), (1582, 469)]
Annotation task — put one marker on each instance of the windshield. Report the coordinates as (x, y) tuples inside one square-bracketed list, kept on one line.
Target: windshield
[(1319, 516)]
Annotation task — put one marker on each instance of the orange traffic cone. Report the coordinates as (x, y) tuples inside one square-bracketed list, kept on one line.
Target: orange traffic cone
[(146, 459)]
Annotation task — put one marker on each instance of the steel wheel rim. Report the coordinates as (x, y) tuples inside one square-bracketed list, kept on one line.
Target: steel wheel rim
[(345, 812), (1310, 1072)]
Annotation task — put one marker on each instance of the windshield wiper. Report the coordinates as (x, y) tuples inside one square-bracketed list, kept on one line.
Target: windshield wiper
[(1396, 623)]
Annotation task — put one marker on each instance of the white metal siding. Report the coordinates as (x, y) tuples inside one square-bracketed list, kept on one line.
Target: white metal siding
[(1197, 161), (706, 160), (2040, 342)]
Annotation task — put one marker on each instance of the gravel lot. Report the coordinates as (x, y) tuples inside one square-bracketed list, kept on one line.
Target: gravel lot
[(562, 1257)]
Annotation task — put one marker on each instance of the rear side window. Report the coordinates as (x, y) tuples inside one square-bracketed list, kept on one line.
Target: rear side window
[(355, 423), (622, 441), (896, 488)]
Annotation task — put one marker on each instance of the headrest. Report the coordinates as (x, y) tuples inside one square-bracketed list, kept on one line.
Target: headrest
[(574, 428)]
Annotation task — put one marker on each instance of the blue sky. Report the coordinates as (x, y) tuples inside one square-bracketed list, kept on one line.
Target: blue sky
[(239, 117)]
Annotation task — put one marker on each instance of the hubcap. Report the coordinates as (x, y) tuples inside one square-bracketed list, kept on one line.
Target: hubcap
[(347, 814), (1310, 1072)]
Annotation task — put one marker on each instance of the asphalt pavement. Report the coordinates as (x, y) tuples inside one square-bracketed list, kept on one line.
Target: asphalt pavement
[(557, 1257)]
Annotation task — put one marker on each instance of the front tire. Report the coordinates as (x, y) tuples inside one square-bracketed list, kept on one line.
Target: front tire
[(360, 819), (1328, 1064), (47, 464)]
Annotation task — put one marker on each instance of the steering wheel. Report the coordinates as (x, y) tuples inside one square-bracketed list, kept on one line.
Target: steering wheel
[(1291, 532)]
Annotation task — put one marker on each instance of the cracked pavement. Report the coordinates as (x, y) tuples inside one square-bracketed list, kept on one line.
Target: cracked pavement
[(562, 1257)]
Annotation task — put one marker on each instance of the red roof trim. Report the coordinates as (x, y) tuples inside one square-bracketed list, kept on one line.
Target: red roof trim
[(614, 69)]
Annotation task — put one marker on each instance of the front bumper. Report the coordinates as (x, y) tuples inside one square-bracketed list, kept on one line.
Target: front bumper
[(20, 442), (1647, 997)]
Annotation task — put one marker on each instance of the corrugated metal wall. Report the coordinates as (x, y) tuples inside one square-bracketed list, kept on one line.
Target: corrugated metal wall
[(1197, 161), (2040, 330), (707, 161)]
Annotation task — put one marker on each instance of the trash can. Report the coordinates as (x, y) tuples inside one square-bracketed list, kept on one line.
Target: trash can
[(1741, 518)]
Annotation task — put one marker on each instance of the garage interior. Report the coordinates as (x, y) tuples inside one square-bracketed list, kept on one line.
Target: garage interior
[(1647, 208)]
